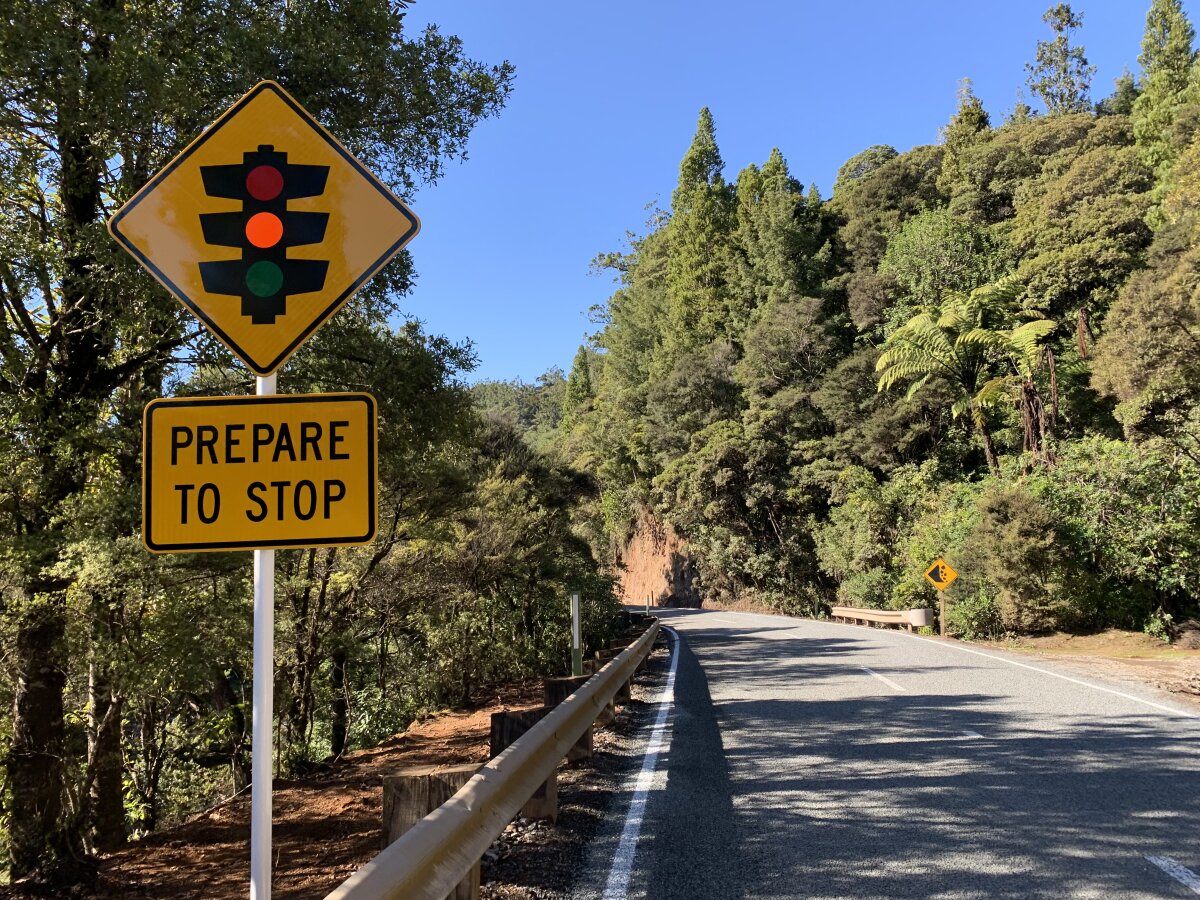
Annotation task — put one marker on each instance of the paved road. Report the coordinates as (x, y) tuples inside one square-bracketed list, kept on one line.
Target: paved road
[(808, 759)]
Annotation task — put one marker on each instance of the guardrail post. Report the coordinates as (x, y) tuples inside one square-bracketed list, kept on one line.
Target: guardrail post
[(622, 693), (506, 728), (414, 793), (608, 712), (555, 691)]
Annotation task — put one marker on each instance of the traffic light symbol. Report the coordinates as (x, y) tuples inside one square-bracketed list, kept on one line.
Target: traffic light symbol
[(264, 277)]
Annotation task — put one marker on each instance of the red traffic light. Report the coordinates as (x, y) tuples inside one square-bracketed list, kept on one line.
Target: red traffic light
[(264, 183)]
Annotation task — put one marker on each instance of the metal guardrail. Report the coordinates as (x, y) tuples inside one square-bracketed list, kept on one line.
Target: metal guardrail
[(432, 857), (909, 617)]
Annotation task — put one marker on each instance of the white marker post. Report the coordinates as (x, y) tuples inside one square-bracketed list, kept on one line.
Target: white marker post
[(647, 604), (576, 637), (942, 613), (261, 774)]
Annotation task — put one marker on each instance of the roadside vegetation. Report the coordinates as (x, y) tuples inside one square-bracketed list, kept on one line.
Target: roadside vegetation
[(983, 349), (125, 686)]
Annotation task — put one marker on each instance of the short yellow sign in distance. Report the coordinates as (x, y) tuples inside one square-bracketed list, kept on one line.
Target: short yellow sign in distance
[(278, 471), (264, 226), (940, 574)]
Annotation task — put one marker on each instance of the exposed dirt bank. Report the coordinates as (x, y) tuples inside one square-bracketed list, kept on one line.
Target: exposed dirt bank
[(654, 562)]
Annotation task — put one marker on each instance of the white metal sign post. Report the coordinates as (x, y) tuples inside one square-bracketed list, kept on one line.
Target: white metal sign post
[(576, 638), (261, 757)]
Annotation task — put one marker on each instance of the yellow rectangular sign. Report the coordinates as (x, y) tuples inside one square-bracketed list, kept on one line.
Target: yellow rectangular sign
[(278, 471)]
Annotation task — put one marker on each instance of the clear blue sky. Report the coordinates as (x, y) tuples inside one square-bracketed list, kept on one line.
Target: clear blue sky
[(606, 101)]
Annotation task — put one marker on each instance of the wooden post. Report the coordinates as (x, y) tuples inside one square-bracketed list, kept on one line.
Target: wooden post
[(942, 612), (554, 692), (414, 793), (603, 657), (609, 712), (506, 728)]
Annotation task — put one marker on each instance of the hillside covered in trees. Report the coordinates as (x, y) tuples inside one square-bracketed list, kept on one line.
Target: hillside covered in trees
[(983, 349)]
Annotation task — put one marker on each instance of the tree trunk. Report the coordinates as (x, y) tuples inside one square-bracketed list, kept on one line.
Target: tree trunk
[(226, 699), (1083, 331), (106, 764), (341, 707), (41, 841), (1050, 361), (989, 449), (35, 756)]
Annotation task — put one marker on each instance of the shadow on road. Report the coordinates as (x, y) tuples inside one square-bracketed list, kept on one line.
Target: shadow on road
[(789, 786), (697, 806)]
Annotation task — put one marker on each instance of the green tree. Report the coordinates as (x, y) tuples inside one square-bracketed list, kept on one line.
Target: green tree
[(867, 521), (1017, 547), (1079, 226), (415, 381), (697, 269), (579, 391), (777, 242), (1123, 99), (1060, 74), (634, 319), (1146, 355), (968, 126), (1167, 59), (863, 164), (98, 96), (955, 341), (867, 211), (935, 252)]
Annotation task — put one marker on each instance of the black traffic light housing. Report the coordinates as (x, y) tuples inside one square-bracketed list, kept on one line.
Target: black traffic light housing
[(264, 277)]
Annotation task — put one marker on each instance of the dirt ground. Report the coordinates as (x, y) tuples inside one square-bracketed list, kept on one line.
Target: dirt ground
[(328, 825), (325, 827)]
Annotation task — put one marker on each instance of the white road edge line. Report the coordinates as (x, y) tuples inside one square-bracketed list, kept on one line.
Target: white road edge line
[(1182, 874), (886, 681), (617, 886), (1086, 684)]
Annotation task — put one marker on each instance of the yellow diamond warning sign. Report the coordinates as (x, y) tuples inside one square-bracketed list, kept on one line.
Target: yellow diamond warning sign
[(284, 470), (264, 226), (940, 574)]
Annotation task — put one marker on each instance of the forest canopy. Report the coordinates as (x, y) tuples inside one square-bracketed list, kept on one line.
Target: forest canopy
[(981, 349), (126, 683)]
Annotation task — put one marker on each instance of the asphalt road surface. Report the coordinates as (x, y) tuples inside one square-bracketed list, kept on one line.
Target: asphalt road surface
[(809, 759)]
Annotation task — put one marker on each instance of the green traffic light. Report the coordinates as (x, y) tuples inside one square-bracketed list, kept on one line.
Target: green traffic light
[(264, 279)]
